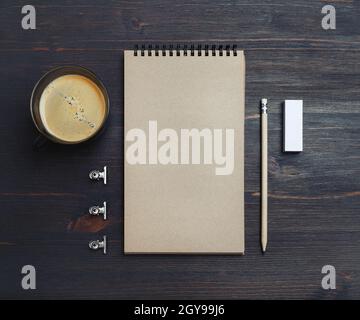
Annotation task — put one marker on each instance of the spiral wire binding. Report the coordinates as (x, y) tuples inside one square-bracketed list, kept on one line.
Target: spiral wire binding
[(170, 50)]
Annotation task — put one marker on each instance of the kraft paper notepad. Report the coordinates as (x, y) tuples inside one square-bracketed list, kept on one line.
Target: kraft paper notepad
[(184, 151)]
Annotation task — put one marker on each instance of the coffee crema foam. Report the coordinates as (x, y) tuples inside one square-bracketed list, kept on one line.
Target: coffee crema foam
[(72, 108)]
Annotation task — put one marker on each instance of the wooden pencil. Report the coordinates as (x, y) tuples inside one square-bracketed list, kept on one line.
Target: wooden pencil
[(264, 175)]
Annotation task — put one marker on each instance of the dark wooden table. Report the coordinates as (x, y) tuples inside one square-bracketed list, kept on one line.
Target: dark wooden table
[(314, 196)]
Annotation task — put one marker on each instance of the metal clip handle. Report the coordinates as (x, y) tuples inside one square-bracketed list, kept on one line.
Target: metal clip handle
[(97, 175), (96, 211), (98, 244)]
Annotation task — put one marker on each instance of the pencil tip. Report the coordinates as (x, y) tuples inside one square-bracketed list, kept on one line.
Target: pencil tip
[(263, 248)]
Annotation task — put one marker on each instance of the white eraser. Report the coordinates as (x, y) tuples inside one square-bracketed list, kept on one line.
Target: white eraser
[(293, 126)]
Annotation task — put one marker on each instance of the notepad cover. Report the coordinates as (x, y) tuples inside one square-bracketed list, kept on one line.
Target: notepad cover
[(184, 208)]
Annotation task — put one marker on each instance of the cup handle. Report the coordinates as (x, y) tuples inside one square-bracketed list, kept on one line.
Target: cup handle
[(39, 143)]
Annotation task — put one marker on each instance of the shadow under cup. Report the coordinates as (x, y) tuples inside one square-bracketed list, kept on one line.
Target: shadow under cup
[(70, 110)]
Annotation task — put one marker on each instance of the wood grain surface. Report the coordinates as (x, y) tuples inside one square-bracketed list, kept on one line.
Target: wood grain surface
[(314, 196)]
